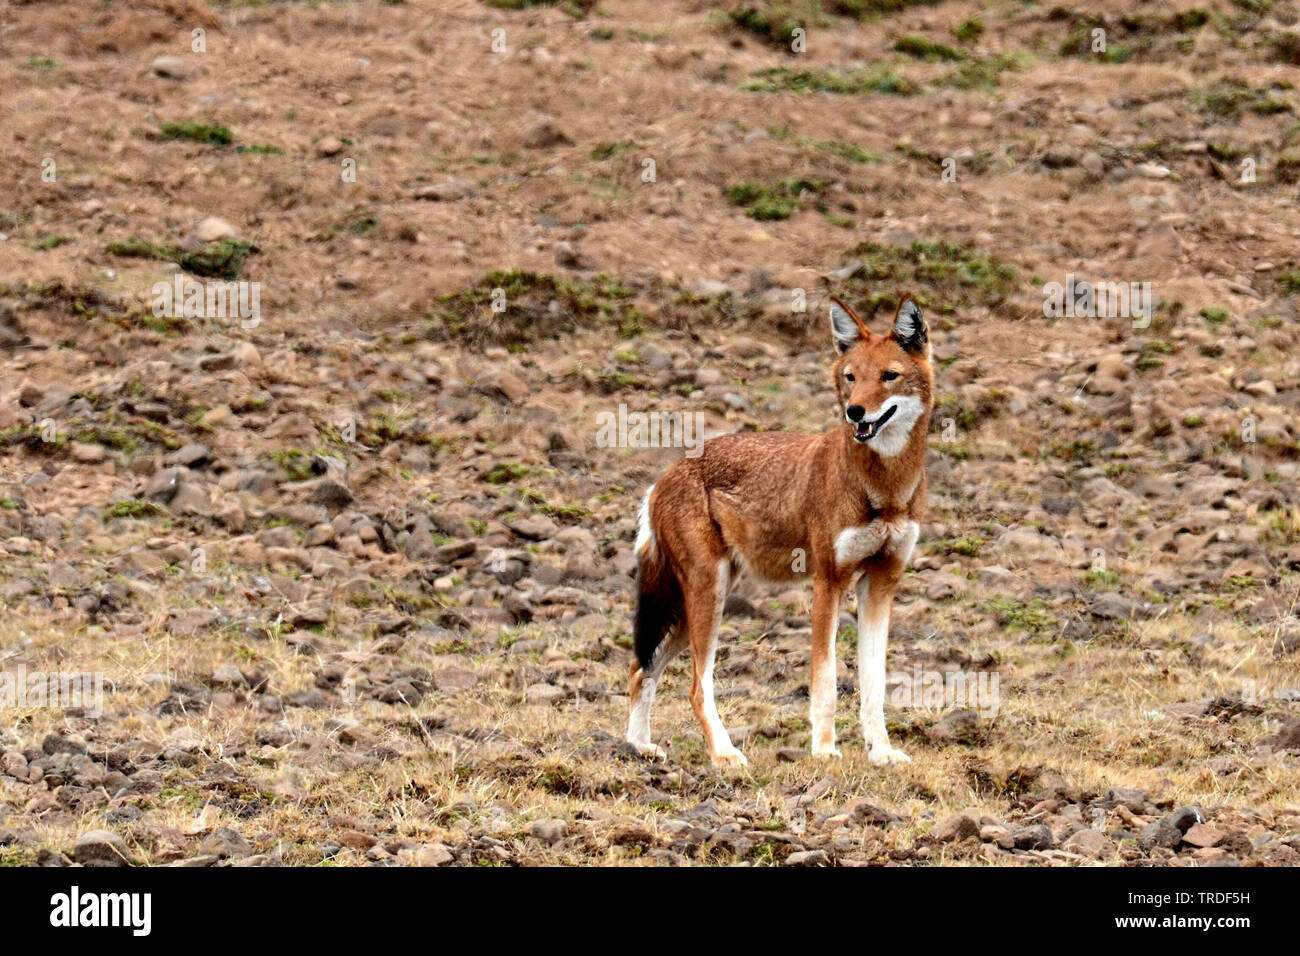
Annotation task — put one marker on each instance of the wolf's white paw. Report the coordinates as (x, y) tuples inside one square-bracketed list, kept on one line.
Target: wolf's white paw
[(883, 755), (653, 751), (731, 759), (827, 752)]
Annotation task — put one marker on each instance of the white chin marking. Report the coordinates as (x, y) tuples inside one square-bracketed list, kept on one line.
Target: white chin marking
[(893, 436)]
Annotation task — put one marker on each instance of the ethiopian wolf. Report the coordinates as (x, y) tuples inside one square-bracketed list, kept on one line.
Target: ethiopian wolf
[(843, 508)]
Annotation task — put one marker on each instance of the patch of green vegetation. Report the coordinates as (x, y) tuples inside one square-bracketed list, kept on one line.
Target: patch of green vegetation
[(969, 546), (1226, 152), (776, 22), (1032, 617), (983, 74), (1188, 20), (1229, 98), (49, 242), (1286, 168), (1081, 449), (513, 307), (260, 149), (577, 9), (1291, 283), (920, 48), (42, 63), (867, 9), (942, 275), (601, 33), (1100, 580), (1214, 315), (222, 260), (1285, 47), (297, 464), (119, 439), (774, 201), (855, 154), (385, 428), (877, 79), (605, 151), (132, 508), (196, 132), (506, 471), (1081, 38), (968, 31)]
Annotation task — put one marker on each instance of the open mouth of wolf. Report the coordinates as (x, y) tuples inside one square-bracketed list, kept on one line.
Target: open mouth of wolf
[(864, 430)]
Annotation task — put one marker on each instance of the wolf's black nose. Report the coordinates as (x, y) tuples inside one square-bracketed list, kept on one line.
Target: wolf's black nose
[(856, 412)]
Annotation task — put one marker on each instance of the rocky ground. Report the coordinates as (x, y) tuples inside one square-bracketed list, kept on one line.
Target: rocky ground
[(358, 575)]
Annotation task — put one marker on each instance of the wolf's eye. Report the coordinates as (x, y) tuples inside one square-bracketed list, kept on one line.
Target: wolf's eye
[(848, 377), (889, 376)]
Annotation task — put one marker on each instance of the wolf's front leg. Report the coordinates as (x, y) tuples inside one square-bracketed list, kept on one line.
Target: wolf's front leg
[(875, 601), (826, 605)]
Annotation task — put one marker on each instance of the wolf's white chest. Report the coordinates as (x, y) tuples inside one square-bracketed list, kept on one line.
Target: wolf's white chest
[(854, 545)]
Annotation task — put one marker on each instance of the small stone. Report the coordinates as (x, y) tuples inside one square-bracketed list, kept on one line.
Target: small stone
[(1132, 800), (213, 229), (447, 191), (14, 763), (1000, 835), (162, 487), (549, 831), (1089, 843), (432, 854), (170, 67), (331, 494), (958, 826), (101, 848), (1159, 834), (566, 256), (1203, 835), (86, 453), (329, 146), (534, 527), (188, 455), (1036, 837), (1184, 818), (228, 675), (545, 136), (357, 840), (220, 362), (510, 386), (54, 744), (807, 858), (225, 843)]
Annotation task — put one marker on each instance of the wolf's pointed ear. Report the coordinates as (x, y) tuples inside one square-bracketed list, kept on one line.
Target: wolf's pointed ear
[(909, 326), (846, 327)]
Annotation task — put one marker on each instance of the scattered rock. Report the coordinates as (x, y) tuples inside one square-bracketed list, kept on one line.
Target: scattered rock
[(101, 848), (957, 826)]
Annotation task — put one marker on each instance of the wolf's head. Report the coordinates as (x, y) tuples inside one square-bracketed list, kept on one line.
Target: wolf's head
[(884, 382)]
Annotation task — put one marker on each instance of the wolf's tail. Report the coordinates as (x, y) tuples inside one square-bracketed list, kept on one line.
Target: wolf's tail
[(658, 592)]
